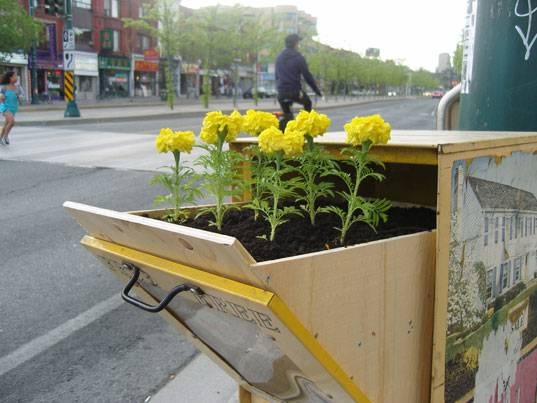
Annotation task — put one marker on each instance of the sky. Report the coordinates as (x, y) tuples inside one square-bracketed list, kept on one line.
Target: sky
[(411, 32)]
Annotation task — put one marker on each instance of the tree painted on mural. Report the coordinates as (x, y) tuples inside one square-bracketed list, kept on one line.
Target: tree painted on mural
[(465, 290)]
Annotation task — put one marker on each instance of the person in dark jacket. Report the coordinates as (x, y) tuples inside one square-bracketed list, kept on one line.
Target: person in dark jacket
[(290, 66)]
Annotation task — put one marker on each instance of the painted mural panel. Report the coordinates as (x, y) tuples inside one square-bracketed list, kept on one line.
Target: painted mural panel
[(491, 345)]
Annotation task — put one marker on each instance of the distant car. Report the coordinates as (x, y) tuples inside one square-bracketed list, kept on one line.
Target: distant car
[(262, 92), (437, 94)]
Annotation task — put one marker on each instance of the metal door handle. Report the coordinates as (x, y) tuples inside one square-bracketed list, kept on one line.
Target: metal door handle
[(165, 301)]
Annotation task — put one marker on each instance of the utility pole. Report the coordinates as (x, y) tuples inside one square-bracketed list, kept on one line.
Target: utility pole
[(71, 109), (33, 60), (499, 63)]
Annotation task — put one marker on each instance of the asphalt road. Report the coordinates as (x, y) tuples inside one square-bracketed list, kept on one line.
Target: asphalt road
[(55, 345), (401, 113), (65, 335)]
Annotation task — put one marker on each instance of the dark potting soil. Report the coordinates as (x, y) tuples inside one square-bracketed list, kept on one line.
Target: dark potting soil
[(297, 236)]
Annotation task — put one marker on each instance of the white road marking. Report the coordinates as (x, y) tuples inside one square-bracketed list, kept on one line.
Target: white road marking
[(38, 345)]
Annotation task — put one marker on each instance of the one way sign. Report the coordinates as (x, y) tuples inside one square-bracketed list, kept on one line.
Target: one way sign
[(68, 60)]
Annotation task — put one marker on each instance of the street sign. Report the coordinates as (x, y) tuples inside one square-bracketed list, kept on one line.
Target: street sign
[(68, 60), (68, 39)]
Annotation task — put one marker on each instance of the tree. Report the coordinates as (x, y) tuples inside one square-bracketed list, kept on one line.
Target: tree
[(18, 28), (208, 36), (161, 21), (457, 61), (259, 40), (465, 290)]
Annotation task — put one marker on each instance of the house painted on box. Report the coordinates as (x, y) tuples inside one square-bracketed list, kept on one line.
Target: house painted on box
[(498, 224)]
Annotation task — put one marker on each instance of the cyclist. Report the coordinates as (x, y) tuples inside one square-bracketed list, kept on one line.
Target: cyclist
[(290, 66)]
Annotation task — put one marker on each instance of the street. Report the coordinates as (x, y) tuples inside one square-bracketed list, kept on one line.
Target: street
[(402, 114), (65, 334)]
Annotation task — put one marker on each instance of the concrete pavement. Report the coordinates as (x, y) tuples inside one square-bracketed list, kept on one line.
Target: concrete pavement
[(52, 115)]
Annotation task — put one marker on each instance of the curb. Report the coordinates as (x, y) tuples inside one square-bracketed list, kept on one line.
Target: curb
[(179, 114)]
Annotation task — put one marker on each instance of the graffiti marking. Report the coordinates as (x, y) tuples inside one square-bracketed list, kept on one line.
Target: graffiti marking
[(526, 37)]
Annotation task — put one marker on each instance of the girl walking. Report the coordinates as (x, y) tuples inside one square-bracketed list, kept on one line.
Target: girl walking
[(10, 95)]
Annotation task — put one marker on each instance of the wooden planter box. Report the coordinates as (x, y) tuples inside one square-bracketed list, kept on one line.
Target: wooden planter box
[(373, 322)]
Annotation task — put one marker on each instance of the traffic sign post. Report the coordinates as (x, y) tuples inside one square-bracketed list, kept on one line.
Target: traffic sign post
[(71, 109), (68, 39)]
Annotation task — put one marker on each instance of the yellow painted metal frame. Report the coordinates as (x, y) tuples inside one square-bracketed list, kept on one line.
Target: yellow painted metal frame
[(249, 293)]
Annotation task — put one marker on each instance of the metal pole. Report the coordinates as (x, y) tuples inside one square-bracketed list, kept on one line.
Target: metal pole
[(33, 61), (71, 109)]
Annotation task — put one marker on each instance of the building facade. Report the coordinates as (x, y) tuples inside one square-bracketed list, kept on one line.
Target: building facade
[(128, 62), (110, 60)]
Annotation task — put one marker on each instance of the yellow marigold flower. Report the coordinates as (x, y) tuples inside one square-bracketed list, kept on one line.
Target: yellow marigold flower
[(216, 123), (234, 125), (161, 142), (373, 128), (257, 121), (209, 136), (271, 140), (181, 141), (294, 126), (293, 142), (313, 123)]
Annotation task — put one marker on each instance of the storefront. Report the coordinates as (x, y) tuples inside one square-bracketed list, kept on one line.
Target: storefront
[(190, 74), (49, 65), (49, 80), (86, 75), (145, 78), (19, 64), (114, 76)]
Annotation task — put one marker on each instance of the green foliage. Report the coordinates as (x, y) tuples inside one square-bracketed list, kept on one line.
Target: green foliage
[(457, 60), (181, 182), (504, 299), (221, 178), (276, 187), (314, 164), (358, 209), (424, 79), (18, 28)]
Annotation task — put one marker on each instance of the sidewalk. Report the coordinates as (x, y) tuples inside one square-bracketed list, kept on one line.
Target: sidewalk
[(52, 115)]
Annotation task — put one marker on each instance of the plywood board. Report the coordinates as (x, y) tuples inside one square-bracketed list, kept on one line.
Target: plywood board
[(370, 306), (251, 329), (214, 253)]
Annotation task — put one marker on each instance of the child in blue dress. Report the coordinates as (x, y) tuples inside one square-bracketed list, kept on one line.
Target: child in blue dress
[(10, 95)]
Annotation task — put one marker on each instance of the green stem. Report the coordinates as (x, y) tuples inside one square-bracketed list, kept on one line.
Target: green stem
[(273, 223), (220, 172), (176, 178), (309, 141), (359, 169), (310, 196)]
